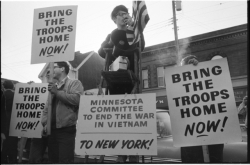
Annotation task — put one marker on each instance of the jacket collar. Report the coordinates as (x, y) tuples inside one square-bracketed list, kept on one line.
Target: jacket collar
[(61, 83)]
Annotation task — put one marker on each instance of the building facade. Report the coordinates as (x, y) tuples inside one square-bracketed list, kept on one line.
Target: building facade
[(230, 43)]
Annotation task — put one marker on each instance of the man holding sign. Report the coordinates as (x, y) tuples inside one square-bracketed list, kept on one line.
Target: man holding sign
[(65, 104), (194, 154)]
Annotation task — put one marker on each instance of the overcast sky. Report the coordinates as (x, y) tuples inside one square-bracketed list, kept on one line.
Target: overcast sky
[(94, 24)]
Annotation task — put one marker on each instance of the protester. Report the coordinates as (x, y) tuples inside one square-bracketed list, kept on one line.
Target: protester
[(3, 119), (194, 154), (122, 19), (39, 145), (9, 152), (118, 37), (242, 109), (65, 104)]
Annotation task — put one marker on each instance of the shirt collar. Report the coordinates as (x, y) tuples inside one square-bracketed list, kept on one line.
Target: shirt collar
[(61, 83)]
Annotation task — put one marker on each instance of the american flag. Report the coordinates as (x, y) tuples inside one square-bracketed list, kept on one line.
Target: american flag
[(141, 18)]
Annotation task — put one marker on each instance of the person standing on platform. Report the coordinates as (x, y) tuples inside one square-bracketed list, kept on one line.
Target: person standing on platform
[(9, 152), (122, 19), (118, 38), (65, 105), (194, 154)]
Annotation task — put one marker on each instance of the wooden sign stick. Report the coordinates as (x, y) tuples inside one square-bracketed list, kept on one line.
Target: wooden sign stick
[(51, 68), (22, 144), (205, 153)]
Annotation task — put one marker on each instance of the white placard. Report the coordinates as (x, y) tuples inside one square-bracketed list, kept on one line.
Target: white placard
[(117, 125), (202, 104), (28, 105), (53, 38)]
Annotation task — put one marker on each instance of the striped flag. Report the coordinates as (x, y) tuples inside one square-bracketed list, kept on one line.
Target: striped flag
[(141, 18)]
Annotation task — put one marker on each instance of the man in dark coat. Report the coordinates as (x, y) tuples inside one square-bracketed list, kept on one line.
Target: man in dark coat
[(117, 38), (3, 117), (9, 152)]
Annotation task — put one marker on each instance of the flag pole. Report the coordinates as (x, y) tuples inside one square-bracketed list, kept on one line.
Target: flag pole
[(140, 70)]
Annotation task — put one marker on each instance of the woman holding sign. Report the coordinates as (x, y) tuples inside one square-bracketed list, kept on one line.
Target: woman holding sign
[(194, 154)]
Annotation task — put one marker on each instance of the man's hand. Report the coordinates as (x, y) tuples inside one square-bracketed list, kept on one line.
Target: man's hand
[(52, 88), (193, 61), (244, 101), (128, 20), (3, 136), (44, 131), (30, 82)]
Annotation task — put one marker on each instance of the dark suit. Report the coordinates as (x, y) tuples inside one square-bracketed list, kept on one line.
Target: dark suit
[(10, 144)]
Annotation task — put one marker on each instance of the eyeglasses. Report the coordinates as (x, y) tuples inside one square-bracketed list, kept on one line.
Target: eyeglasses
[(122, 14), (57, 67)]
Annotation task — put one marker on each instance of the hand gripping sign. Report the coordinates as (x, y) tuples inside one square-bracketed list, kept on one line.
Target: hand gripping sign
[(202, 104), (53, 37), (117, 125)]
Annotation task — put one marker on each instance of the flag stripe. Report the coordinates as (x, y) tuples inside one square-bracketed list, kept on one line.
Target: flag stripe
[(141, 18)]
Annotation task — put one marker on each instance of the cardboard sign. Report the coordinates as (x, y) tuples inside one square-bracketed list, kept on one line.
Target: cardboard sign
[(117, 125), (202, 104), (53, 37), (28, 105)]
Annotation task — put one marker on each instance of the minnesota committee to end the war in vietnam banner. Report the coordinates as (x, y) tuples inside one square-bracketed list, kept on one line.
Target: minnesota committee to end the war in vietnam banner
[(117, 125)]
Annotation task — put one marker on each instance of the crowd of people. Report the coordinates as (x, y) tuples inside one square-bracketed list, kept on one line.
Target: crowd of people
[(66, 94)]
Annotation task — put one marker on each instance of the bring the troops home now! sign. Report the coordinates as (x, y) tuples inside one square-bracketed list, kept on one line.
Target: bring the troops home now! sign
[(28, 105), (202, 104), (117, 125), (53, 38)]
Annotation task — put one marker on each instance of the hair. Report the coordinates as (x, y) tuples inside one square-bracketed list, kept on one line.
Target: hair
[(65, 65), (185, 60), (117, 9), (7, 84)]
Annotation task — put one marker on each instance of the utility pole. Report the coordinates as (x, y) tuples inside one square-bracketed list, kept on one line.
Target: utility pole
[(175, 29)]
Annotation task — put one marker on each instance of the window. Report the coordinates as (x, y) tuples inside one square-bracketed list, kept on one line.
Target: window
[(160, 75), (145, 78), (216, 57)]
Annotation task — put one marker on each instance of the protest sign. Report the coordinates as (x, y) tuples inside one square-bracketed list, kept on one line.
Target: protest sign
[(28, 105), (202, 104), (117, 125), (53, 37)]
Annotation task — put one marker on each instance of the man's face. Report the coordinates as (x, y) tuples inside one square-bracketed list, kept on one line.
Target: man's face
[(120, 17), (57, 71)]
